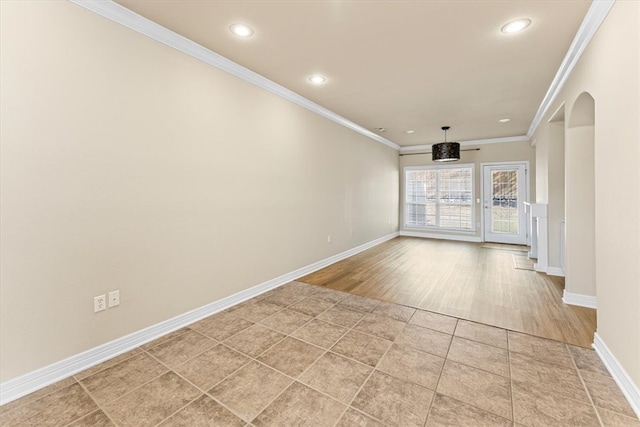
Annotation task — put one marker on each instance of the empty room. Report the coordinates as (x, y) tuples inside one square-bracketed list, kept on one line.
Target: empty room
[(319, 213)]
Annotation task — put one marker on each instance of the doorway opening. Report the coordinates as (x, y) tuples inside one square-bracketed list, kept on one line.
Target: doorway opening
[(505, 188)]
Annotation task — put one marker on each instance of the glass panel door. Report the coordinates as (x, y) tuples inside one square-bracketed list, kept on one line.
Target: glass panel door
[(504, 194)]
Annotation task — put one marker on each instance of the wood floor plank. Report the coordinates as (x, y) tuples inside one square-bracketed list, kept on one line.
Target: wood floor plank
[(464, 280)]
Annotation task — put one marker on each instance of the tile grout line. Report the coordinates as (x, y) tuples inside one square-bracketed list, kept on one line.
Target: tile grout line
[(513, 408), (435, 391), (349, 405), (203, 392), (100, 408), (584, 385)]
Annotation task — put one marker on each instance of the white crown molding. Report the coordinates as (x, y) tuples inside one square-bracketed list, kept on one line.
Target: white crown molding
[(579, 299), (120, 14), (456, 237), (619, 374), (503, 140), (35, 380), (593, 19)]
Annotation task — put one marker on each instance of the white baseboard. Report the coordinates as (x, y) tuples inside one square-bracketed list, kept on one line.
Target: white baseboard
[(555, 271), (624, 381), (35, 380), (457, 237), (579, 299)]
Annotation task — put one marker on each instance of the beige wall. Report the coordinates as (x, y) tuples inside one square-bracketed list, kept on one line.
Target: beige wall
[(504, 152), (580, 211), (556, 192), (609, 71), (128, 165)]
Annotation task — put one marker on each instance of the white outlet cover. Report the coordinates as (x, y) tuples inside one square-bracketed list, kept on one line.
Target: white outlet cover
[(114, 298), (99, 303)]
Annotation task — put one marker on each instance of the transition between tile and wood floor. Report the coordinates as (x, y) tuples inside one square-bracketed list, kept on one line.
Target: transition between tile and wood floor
[(303, 355)]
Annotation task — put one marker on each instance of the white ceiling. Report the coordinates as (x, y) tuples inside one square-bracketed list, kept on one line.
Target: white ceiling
[(397, 64)]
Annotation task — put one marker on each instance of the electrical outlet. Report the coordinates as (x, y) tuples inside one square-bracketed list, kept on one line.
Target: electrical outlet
[(99, 303), (329, 239), (114, 298)]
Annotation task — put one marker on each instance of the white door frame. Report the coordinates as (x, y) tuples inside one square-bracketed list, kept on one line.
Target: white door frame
[(527, 176)]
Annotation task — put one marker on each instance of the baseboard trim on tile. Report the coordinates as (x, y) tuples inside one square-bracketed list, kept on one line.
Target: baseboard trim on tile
[(579, 299), (456, 237), (624, 381), (15, 388)]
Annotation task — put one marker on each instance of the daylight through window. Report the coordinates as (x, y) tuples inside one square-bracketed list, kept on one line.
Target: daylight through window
[(439, 197)]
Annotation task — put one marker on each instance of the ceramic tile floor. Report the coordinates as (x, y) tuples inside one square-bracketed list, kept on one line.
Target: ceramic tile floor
[(302, 355)]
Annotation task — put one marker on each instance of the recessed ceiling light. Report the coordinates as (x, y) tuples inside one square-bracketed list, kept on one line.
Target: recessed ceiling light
[(241, 30), (317, 79), (515, 26), (381, 129), (409, 131), (504, 120)]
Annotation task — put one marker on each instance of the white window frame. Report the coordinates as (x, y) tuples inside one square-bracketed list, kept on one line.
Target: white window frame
[(471, 166)]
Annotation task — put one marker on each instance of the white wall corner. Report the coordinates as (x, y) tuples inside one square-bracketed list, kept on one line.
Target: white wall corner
[(32, 381), (456, 237), (555, 271), (579, 299), (629, 388)]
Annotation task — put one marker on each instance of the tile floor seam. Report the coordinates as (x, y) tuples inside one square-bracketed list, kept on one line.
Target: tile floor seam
[(586, 389), (341, 336), (260, 354), (217, 343), (435, 391), (513, 409), (268, 403), (293, 380), (210, 396), (560, 393), (349, 405), (474, 340), (475, 367), (180, 409), (137, 387), (107, 414), (204, 392)]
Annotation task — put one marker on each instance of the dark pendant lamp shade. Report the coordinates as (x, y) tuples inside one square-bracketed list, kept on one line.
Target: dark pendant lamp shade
[(445, 151)]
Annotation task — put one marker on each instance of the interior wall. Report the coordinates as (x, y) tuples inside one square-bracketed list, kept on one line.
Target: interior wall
[(556, 189), (128, 165), (609, 70), (580, 199), (488, 153)]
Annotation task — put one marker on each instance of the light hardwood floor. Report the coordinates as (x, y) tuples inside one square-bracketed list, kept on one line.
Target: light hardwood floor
[(463, 280)]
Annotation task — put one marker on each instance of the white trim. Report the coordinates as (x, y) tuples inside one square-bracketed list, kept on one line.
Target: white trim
[(555, 271), (593, 19), (579, 299), (35, 380), (527, 175), (457, 237), (620, 376), (120, 14), (470, 142)]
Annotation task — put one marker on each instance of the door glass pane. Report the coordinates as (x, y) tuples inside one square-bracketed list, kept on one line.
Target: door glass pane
[(504, 201)]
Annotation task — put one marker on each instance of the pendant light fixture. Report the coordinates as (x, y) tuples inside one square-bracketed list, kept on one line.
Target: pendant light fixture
[(445, 151)]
